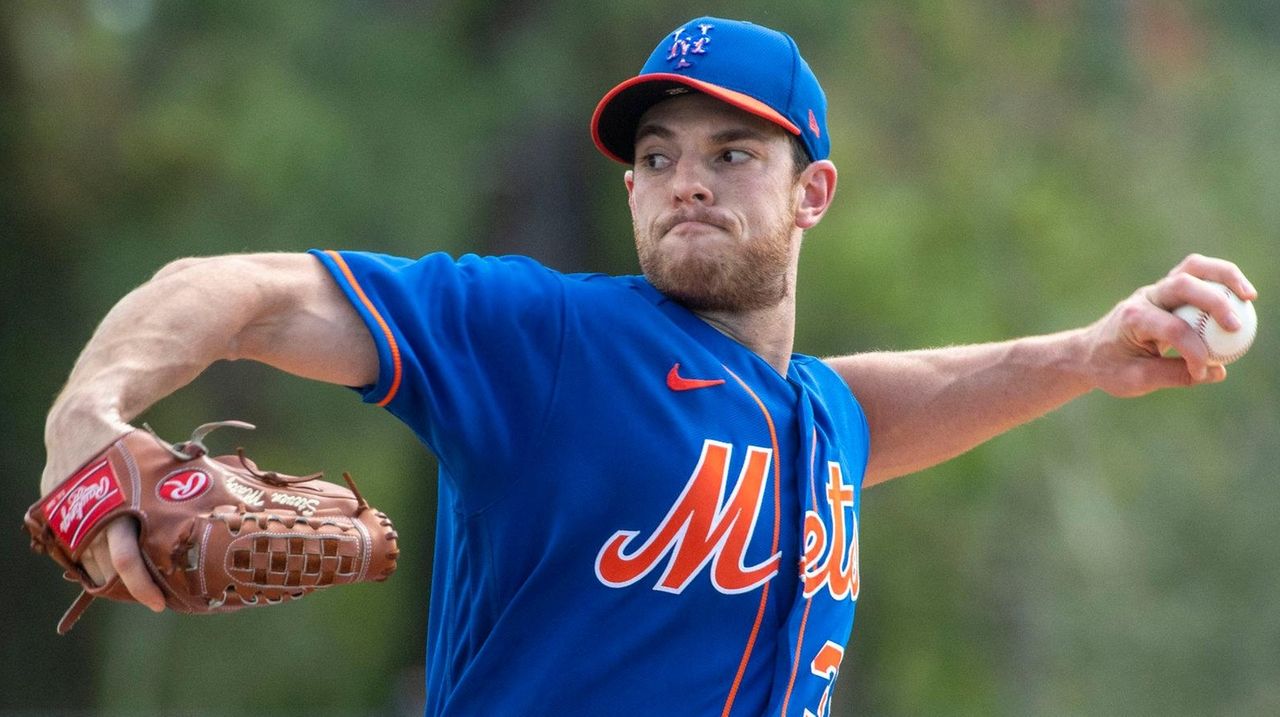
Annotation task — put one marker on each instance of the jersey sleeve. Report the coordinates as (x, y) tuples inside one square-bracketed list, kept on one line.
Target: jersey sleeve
[(468, 354)]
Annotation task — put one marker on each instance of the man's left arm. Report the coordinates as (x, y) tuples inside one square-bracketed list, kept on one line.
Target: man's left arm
[(925, 407)]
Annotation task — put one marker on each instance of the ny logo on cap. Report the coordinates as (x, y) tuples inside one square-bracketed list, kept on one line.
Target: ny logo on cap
[(683, 45)]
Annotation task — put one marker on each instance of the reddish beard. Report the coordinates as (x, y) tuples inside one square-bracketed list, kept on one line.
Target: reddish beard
[(751, 275)]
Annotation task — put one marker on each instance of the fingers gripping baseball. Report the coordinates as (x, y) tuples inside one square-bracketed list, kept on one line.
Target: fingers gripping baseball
[(1212, 269), (1129, 343)]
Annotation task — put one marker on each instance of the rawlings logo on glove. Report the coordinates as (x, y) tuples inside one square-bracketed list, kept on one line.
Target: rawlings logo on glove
[(183, 485), (207, 534), (81, 502)]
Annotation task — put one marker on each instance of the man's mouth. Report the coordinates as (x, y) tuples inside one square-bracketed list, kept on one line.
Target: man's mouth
[(693, 223)]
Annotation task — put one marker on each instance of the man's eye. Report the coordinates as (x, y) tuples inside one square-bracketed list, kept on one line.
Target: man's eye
[(655, 161), (734, 156)]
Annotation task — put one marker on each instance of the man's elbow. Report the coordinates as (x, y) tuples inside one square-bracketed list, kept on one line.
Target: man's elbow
[(177, 266)]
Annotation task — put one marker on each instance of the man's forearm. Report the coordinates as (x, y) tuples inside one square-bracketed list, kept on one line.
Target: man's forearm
[(147, 347), (283, 310), (925, 407)]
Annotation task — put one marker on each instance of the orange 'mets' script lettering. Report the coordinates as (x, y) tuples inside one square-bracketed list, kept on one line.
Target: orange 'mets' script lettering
[(837, 569), (702, 527)]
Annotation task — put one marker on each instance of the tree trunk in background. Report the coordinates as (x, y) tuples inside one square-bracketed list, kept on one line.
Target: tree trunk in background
[(537, 202)]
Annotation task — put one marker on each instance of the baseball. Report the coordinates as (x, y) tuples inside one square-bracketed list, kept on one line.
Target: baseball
[(1224, 346)]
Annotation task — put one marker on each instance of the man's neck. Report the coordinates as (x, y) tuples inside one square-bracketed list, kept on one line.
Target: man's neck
[(769, 332)]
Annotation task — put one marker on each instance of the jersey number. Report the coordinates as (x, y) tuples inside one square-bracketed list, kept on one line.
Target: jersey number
[(826, 664)]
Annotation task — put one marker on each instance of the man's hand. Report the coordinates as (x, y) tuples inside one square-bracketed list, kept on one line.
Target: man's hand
[(69, 442), (115, 552), (1127, 346)]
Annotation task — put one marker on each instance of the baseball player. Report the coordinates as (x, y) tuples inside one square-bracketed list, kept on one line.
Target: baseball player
[(648, 504)]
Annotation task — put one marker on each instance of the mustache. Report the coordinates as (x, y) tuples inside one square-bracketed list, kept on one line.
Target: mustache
[(700, 214)]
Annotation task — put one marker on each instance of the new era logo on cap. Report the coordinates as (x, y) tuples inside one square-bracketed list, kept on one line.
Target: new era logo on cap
[(751, 67)]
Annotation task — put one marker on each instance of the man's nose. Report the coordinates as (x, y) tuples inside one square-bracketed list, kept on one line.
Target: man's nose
[(692, 185)]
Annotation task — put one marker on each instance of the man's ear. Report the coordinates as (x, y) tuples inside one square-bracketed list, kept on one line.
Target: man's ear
[(817, 188), (629, 178)]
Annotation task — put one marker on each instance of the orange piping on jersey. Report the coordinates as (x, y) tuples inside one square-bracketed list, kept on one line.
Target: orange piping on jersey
[(808, 603), (386, 330), (813, 455), (777, 508), (791, 683)]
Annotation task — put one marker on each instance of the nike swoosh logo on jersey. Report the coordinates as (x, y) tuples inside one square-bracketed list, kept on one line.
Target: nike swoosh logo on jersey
[(676, 382)]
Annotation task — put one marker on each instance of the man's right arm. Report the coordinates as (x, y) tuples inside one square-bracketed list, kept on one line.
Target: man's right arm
[(280, 309)]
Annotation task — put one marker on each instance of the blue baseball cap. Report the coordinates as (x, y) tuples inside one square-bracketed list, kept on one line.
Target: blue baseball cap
[(751, 67)]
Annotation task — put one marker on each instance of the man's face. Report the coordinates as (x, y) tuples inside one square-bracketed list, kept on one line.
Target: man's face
[(713, 200)]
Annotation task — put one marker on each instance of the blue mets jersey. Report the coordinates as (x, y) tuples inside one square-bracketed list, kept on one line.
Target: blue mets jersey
[(637, 514)]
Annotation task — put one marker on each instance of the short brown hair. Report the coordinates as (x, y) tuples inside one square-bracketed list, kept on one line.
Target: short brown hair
[(799, 156)]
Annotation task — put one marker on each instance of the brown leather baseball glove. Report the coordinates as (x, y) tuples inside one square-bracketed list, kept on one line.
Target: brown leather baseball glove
[(216, 534)]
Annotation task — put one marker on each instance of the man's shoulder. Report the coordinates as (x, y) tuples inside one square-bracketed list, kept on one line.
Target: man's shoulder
[(595, 286), (592, 296), (818, 375), (515, 265), (513, 284)]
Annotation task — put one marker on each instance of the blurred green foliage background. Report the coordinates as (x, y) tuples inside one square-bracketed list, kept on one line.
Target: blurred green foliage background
[(1007, 167)]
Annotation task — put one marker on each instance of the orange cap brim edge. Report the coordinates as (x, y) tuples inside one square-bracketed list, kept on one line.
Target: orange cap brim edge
[(743, 102)]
